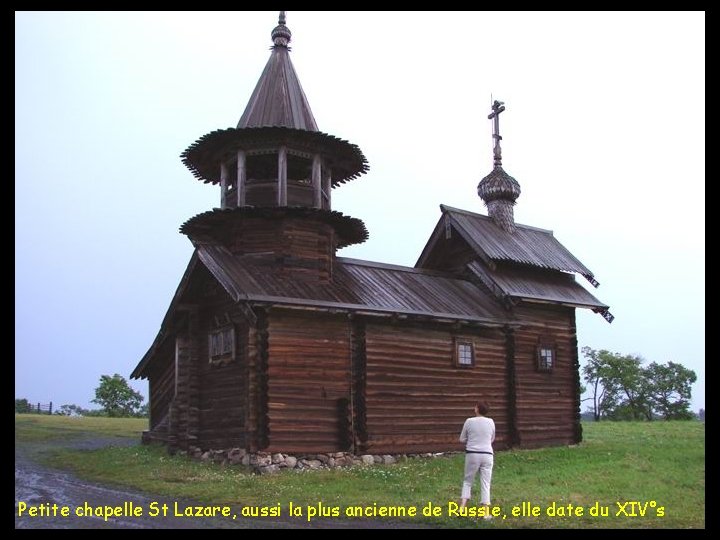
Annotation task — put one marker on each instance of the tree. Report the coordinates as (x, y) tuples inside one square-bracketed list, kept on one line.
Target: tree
[(628, 377), (669, 390), (604, 389), (144, 411), (22, 406), (617, 384), (116, 397), (622, 389), (71, 410)]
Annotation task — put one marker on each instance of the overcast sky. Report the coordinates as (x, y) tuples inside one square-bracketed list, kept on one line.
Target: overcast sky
[(604, 130)]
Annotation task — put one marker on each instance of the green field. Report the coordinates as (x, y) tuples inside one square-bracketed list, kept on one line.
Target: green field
[(617, 463), (42, 427)]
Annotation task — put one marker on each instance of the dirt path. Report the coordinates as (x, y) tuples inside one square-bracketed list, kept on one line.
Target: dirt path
[(37, 485)]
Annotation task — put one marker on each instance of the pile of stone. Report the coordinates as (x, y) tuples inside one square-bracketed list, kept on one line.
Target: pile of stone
[(265, 463)]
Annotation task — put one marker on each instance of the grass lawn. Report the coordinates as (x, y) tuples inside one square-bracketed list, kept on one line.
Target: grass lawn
[(660, 465), (45, 427)]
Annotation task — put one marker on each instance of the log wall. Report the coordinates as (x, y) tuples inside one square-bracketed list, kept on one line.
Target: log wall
[(547, 402), (417, 399), (222, 399), (162, 383), (315, 382), (301, 246), (257, 377), (308, 381)]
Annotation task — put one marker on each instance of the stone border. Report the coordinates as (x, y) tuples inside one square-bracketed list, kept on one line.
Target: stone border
[(267, 463)]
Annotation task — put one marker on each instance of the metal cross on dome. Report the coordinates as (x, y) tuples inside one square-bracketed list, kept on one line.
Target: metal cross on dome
[(497, 108)]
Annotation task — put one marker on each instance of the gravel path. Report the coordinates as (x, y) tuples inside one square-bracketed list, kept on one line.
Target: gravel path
[(40, 486)]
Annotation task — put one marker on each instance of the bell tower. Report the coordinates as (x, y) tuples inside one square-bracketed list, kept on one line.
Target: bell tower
[(276, 171)]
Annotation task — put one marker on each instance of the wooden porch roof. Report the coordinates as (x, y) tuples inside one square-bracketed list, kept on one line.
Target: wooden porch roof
[(517, 283)]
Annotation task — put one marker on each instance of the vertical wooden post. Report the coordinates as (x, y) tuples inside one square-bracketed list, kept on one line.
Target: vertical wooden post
[(262, 428), (358, 374), (316, 181), (177, 364), (192, 424), (38, 409), (327, 188), (241, 175), (223, 185), (282, 177), (578, 430), (50, 411), (510, 375)]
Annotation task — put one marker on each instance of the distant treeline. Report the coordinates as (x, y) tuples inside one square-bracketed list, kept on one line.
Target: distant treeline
[(24, 406), (113, 394), (621, 388), (589, 416)]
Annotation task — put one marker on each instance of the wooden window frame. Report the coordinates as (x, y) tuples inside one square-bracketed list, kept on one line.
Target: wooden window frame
[(460, 342), (545, 344), (227, 353)]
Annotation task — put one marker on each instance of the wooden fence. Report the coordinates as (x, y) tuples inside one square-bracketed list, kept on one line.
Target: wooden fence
[(46, 408)]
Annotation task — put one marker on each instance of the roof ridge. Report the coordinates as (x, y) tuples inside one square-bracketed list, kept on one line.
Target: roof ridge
[(401, 268), (446, 208)]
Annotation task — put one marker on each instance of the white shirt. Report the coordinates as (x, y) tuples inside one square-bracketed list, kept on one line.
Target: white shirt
[(478, 434)]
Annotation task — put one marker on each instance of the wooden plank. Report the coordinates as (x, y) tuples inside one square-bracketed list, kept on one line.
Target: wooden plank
[(327, 189), (242, 178), (223, 184), (316, 181), (282, 176)]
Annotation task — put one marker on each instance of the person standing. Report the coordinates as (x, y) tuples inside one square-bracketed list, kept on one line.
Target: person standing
[(478, 434)]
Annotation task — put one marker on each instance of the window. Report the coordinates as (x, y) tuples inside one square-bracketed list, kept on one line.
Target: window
[(545, 358), (464, 354), (221, 345)]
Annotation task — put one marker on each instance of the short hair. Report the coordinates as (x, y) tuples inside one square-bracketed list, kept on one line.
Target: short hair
[(483, 407)]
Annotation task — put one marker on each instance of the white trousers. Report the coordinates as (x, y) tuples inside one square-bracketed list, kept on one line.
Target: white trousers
[(473, 464)]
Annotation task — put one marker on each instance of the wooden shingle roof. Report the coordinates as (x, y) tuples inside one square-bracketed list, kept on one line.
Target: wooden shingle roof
[(214, 223), (361, 287), (202, 157), (357, 285), (529, 264), (278, 99), (535, 286), (528, 245)]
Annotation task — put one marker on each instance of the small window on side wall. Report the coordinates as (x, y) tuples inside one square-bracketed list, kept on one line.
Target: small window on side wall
[(464, 353), (221, 345), (546, 355)]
